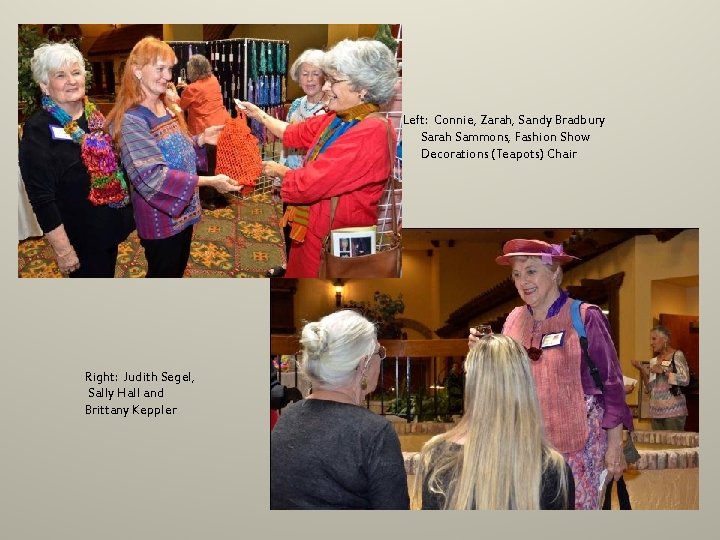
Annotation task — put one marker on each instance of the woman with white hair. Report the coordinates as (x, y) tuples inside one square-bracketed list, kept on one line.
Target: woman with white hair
[(663, 378), (71, 174), (305, 71), (583, 405), (308, 73), (348, 151), (496, 458), (328, 451)]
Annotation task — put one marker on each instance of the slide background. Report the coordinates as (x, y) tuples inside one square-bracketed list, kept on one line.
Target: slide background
[(649, 67)]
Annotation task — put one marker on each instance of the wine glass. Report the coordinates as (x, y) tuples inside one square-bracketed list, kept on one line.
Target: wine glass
[(483, 330)]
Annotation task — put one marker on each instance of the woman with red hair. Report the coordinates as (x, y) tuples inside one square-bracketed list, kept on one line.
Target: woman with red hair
[(161, 158)]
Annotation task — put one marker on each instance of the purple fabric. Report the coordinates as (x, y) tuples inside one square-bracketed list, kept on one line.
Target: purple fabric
[(161, 161), (588, 463), (555, 249), (554, 309), (603, 354)]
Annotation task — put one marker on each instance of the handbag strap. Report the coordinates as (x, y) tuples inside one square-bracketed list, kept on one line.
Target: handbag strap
[(580, 329)]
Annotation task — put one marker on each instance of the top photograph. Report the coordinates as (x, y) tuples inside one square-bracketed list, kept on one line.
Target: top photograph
[(210, 150)]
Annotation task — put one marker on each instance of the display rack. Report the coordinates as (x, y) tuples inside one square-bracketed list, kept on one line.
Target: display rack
[(248, 69), (393, 112)]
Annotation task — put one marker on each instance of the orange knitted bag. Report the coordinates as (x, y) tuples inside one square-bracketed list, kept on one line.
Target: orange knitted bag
[(238, 154)]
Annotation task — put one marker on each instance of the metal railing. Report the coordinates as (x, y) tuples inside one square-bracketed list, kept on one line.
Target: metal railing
[(416, 379)]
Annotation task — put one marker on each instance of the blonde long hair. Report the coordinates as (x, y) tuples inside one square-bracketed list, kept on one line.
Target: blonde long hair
[(504, 452), (146, 51)]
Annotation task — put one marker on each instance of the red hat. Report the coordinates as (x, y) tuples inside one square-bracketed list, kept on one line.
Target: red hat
[(549, 253)]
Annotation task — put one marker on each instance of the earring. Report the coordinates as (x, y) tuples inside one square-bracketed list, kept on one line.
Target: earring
[(139, 76), (363, 383)]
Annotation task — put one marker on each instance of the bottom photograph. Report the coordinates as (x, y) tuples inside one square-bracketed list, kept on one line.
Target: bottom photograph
[(530, 369)]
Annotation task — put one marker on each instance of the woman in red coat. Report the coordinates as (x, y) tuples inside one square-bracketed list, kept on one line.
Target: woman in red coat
[(348, 155)]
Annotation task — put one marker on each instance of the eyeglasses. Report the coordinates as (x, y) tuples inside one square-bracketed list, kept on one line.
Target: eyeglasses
[(381, 352), (534, 353), (332, 81)]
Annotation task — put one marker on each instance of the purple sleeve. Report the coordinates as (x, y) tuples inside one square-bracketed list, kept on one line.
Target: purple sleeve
[(603, 354), (201, 161)]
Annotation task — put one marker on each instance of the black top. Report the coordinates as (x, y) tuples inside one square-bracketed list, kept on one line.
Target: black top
[(330, 455), (548, 486), (58, 185)]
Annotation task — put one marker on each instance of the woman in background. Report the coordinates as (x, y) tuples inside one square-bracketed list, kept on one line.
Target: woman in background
[(328, 451), (662, 378), (308, 73), (496, 458), (203, 102)]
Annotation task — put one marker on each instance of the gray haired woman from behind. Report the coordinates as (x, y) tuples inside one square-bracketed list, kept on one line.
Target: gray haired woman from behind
[(328, 451)]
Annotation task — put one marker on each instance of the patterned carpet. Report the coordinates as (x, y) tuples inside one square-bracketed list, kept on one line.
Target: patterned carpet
[(241, 240)]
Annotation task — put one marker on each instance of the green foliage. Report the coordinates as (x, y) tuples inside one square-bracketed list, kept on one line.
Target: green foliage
[(30, 38), (384, 35), (382, 311), (422, 407)]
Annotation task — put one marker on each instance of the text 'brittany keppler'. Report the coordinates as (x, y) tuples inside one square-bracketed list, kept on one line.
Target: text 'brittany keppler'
[(135, 410)]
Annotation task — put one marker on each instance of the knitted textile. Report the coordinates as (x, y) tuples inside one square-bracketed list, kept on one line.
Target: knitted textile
[(238, 154)]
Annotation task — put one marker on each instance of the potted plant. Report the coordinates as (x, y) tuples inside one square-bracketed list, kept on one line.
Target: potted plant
[(382, 311)]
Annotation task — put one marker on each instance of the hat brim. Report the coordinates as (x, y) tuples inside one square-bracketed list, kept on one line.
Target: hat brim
[(506, 259)]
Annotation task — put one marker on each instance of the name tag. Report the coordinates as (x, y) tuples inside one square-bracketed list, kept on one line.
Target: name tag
[(58, 133), (552, 340)]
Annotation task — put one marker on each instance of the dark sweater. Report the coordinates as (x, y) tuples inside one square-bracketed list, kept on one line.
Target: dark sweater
[(330, 455), (58, 185), (548, 487)]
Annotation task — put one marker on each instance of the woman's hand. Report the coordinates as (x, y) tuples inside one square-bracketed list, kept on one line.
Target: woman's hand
[(210, 135), (473, 338), (274, 170), (614, 456), (249, 109), (171, 93), (657, 369), (220, 182), (68, 261)]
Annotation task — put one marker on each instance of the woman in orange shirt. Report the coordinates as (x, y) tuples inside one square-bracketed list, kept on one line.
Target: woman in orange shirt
[(203, 102)]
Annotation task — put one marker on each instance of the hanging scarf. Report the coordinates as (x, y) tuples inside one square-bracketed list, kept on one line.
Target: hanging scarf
[(107, 182), (298, 216)]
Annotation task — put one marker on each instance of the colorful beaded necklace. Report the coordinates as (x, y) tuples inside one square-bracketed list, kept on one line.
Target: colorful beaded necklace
[(107, 182)]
